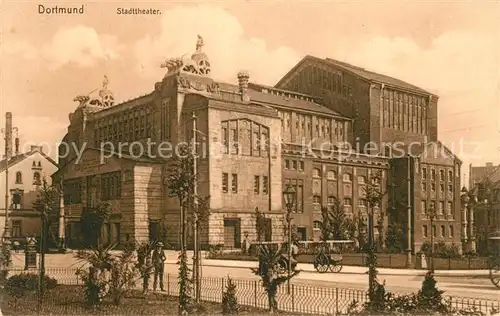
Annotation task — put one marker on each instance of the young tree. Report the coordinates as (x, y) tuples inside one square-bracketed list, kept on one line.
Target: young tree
[(271, 273), (229, 299), (395, 238), (181, 183), (430, 299), (260, 225)]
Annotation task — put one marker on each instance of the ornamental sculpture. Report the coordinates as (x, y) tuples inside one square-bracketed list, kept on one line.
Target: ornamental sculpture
[(198, 63), (105, 99)]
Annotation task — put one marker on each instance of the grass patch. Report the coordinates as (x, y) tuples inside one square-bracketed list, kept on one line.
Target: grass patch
[(69, 300)]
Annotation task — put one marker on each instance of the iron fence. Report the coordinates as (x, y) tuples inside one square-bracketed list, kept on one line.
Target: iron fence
[(303, 299)]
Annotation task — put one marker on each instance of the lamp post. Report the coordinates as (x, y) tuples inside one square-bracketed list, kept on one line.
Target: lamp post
[(289, 195), (431, 215)]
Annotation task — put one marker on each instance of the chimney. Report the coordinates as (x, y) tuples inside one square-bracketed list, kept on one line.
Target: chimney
[(8, 135), (17, 146), (243, 77)]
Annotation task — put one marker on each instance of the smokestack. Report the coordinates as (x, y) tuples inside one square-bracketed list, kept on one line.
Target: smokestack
[(243, 78), (8, 135), (17, 146)]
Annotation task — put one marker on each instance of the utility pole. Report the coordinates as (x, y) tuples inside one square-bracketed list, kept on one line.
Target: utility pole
[(8, 155), (196, 268), (62, 222), (408, 213), (431, 215)]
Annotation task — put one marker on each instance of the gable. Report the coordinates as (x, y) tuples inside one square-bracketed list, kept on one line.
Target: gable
[(437, 153)]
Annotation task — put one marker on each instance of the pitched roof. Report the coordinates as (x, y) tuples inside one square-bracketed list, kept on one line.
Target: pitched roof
[(482, 173), (20, 157), (359, 72), (376, 77), (271, 96), (418, 149)]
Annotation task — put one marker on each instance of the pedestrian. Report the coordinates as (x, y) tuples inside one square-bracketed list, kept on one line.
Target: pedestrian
[(159, 265)]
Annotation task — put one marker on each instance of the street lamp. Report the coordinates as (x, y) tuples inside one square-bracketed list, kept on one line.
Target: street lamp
[(431, 215), (290, 196)]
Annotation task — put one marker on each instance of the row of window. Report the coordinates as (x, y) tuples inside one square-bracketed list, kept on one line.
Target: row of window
[(346, 202), (111, 185), (433, 175), (245, 137), (127, 126), (404, 111), (326, 128), (260, 184), (37, 179), (72, 191), (440, 210), (433, 187), (294, 165), (318, 77), (442, 231)]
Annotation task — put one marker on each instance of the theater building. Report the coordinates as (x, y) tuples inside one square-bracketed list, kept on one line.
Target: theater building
[(254, 140)]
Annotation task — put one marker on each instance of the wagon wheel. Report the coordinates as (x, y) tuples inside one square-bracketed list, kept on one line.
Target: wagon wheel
[(495, 274), (321, 263), (336, 266)]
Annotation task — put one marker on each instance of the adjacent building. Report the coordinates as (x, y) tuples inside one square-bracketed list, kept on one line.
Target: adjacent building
[(311, 130), (484, 183), (26, 171)]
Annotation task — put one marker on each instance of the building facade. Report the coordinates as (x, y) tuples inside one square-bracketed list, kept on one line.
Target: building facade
[(254, 140), (26, 172), (396, 120), (484, 183)]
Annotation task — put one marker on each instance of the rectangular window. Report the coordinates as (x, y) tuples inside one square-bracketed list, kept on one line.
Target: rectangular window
[(233, 139), (234, 183), (433, 175), (450, 175), (451, 231), (450, 188), (441, 175), (434, 231), (265, 185), (224, 135), (423, 206), (433, 187), (449, 208), (111, 186), (441, 232), (16, 229), (441, 188), (294, 165), (301, 166), (287, 164), (424, 173), (317, 199), (441, 208), (300, 196), (424, 231), (225, 182), (256, 184)]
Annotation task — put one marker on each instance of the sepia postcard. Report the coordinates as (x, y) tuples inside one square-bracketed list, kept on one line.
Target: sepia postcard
[(246, 157)]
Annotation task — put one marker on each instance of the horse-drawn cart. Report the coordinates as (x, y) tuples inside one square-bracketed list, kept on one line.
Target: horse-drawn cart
[(329, 256), (495, 262)]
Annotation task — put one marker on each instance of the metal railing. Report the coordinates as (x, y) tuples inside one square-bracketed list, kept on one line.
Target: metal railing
[(303, 299)]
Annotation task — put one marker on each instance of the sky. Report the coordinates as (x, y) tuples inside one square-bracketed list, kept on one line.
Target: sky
[(449, 48)]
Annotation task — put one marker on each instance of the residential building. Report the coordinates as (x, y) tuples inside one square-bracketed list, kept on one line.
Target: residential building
[(26, 172)]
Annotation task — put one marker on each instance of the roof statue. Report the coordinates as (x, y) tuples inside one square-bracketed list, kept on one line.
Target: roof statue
[(105, 99), (198, 63)]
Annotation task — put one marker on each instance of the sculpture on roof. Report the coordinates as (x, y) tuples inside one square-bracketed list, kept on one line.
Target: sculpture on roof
[(83, 99), (107, 97), (198, 63)]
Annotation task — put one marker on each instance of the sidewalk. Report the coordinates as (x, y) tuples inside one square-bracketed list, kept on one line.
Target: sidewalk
[(306, 267), (68, 260)]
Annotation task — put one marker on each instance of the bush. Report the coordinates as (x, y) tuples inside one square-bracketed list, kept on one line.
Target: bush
[(441, 250), (229, 300), (20, 284), (215, 250)]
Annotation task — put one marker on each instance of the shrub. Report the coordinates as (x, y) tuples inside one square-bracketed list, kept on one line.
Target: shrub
[(215, 250), (429, 297), (20, 284), (229, 300)]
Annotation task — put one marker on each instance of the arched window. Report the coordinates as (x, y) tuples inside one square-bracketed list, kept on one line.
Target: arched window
[(36, 177), (316, 225), (347, 177), (316, 173), (19, 177)]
